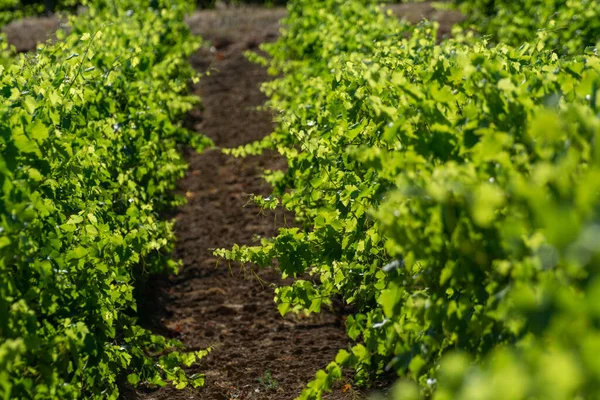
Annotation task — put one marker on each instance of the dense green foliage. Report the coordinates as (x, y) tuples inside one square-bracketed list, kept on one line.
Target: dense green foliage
[(564, 26), (15, 9), (88, 160), (11, 10), (450, 192)]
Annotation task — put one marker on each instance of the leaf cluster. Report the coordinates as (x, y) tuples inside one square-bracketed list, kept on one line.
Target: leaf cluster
[(563, 26)]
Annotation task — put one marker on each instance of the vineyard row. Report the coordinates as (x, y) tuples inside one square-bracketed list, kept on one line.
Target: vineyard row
[(448, 191)]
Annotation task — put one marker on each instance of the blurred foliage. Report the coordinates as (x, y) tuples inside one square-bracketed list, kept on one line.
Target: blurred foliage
[(564, 26), (11, 10)]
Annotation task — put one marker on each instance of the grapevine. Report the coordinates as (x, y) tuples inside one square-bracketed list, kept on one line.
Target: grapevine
[(89, 158)]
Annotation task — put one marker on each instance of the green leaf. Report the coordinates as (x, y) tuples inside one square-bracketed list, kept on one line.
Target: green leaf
[(30, 104), (4, 241), (77, 253), (39, 131), (133, 379)]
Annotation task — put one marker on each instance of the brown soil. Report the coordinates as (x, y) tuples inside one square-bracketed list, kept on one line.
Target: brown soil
[(232, 311)]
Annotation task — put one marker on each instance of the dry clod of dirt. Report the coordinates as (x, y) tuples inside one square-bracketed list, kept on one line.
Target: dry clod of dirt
[(25, 34), (417, 12)]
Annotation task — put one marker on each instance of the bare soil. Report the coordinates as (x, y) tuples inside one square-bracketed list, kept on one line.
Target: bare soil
[(256, 354)]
